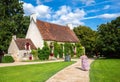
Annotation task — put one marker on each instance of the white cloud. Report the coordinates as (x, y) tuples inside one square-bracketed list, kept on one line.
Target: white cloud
[(28, 8), (109, 16), (106, 7), (62, 11), (63, 16), (38, 2), (105, 16), (92, 11), (87, 2), (42, 10), (66, 15)]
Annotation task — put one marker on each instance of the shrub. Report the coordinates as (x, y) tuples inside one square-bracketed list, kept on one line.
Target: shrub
[(58, 50), (80, 50), (35, 54), (68, 49), (7, 59), (43, 54)]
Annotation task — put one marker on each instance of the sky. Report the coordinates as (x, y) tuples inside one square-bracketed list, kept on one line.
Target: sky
[(89, 13)]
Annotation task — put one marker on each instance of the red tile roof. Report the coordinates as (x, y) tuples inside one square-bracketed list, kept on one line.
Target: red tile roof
[(21, 43), (54, 32)]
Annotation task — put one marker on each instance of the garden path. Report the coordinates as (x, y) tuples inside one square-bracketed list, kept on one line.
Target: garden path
[(72, 73), (25, 63)]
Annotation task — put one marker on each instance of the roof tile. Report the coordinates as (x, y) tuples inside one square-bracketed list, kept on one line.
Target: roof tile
[(54, 32), (21, 43)]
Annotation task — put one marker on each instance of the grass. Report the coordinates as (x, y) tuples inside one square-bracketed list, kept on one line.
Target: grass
[(105, 70), (31, 73)]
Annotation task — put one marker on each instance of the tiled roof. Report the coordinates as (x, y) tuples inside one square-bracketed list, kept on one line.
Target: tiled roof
[(21, 43), (54, 32)]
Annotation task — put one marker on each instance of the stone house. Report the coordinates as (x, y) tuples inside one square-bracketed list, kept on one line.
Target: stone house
[(20, 48), (40, 31)]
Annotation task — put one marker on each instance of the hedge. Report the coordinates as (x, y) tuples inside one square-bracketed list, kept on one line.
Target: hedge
[(7, 59)]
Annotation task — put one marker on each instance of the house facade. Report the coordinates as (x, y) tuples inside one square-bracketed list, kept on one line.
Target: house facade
[(20, 48), (38, 32)]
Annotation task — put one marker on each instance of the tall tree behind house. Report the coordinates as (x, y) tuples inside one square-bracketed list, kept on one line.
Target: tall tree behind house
[(12, 21)]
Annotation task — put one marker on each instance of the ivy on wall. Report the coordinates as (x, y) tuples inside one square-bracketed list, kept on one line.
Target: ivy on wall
[(43, 54), (59, 50)]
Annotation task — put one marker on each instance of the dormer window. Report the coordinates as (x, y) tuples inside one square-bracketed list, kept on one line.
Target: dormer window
[(27, 46)]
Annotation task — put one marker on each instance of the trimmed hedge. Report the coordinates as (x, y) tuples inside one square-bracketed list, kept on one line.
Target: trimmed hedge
[(7, 59)]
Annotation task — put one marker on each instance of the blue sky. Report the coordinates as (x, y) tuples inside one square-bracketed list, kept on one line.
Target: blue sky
[(90, 13)]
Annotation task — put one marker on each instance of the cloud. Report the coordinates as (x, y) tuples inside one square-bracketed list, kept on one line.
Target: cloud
[(42, 10), (63, 16), (105, 16), (28, 8), (109, 16), (38, 2), (92, 11), (66, 15), (106, 7), (88, 2)]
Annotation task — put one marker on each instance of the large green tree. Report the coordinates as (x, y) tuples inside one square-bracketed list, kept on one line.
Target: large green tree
[(87, 38), (12, 21), (108, 40)]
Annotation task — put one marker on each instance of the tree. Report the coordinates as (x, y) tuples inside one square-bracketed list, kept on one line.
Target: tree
[(108, 38), (87, 38), (12, 21)]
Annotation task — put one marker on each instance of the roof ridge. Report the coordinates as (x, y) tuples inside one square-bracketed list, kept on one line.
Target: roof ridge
[(51, 23)]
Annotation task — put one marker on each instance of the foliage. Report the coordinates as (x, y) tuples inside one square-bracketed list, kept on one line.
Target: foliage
[(58, 50), (35, 54), (7, 59), (12, 21), (61, 51), (68, 49), (108, 39), (31, 73), (80, 49), (43, 54), (105, 70), (87, 38)]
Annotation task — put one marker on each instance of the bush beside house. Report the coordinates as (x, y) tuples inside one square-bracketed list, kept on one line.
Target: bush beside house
[(43, 54), (59, 51), (7, 59)]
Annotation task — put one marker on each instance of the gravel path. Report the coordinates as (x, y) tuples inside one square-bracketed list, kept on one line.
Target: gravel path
[(71, 73)]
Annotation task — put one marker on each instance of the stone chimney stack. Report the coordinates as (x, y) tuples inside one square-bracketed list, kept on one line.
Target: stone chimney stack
[(33, 16), (14, 37), (70, 26)]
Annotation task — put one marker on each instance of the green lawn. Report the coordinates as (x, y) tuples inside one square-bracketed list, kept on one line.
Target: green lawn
[(105, 70), (31, 73)]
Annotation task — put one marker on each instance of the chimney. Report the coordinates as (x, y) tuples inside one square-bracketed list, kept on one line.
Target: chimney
[(14, 37), (33, 16), (70, 26)]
